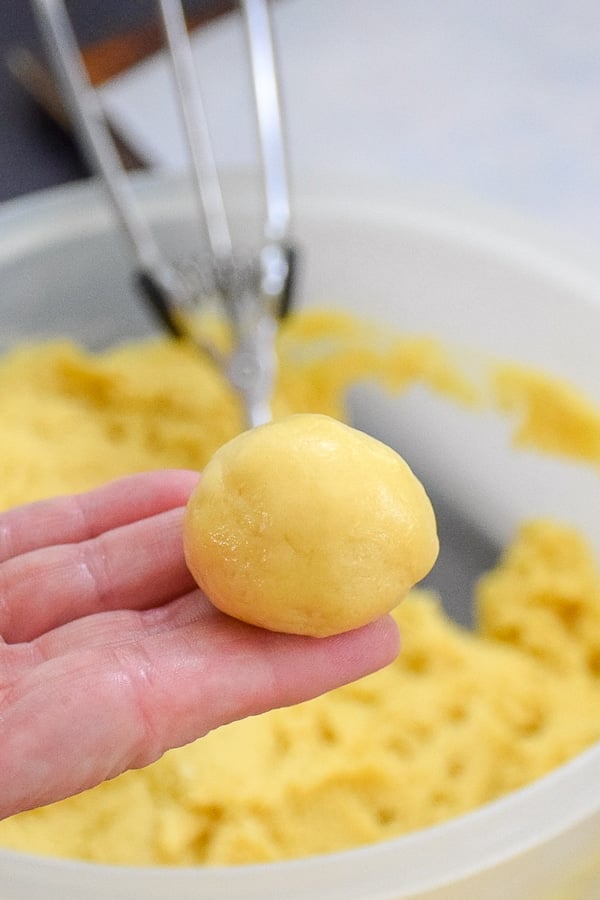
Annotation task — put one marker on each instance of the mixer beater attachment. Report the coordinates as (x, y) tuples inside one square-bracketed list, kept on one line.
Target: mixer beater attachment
[(253, 292)]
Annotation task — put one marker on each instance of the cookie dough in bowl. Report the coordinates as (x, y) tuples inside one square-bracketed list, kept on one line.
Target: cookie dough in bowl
[(308, 526), (459, 769)]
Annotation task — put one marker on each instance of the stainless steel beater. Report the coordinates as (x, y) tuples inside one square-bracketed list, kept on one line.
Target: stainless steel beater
[(254, 293)]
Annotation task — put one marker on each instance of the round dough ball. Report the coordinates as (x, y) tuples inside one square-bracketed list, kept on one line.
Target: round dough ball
[(308, 526)]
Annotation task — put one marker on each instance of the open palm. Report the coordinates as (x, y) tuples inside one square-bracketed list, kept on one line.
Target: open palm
[(109, 654)]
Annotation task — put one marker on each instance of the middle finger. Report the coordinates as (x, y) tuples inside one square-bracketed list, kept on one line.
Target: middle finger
[(136, 566)]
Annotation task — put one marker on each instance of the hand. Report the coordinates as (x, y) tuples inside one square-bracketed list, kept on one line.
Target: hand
[(109, 654)]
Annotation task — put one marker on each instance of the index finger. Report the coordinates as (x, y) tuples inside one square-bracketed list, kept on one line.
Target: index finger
[(123, 701)]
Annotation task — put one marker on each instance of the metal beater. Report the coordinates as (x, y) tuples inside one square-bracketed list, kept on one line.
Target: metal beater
[(253, 293)]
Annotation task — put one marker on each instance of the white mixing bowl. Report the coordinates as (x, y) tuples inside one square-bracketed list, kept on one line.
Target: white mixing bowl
[(64, 269)]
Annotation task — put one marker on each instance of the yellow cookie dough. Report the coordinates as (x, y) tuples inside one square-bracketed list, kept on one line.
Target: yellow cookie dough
[(308, 526), (460, 718)]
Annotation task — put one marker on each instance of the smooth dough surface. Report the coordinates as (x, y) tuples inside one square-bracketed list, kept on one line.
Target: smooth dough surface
[(308, 526)]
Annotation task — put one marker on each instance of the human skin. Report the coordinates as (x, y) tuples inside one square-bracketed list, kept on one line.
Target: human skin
[(109, 655)]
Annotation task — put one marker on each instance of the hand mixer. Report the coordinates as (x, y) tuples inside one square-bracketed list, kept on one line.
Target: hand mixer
[(254, 293)]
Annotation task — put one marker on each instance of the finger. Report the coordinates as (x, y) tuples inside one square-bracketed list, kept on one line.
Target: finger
[(82, 718), (122, 626), (135, 566), (100, 631), (79, 517)]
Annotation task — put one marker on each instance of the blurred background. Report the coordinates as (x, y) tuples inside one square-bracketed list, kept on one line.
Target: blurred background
[(482, 102), (36, 150)]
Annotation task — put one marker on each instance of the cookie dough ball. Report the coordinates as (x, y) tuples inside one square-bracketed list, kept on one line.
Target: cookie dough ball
[(308, 526)]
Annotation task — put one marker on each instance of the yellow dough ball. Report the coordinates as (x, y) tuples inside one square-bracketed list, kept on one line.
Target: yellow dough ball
[(308, 526)]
